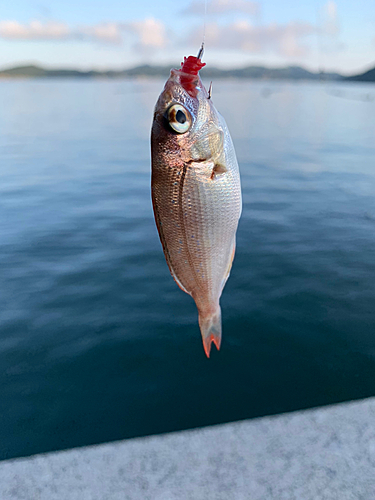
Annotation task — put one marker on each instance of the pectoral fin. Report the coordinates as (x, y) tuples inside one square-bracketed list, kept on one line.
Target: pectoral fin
[(217, 170)]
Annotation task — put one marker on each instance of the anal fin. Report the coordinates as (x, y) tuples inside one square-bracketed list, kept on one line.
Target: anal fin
[(233, 251), (176, 279)]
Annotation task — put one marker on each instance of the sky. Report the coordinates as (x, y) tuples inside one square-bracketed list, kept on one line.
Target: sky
[(111, 34)]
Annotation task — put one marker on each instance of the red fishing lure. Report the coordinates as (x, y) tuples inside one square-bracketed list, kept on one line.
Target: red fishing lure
[(189, 71)]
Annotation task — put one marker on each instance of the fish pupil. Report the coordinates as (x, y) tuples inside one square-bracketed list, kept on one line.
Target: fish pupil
[(180, 116)]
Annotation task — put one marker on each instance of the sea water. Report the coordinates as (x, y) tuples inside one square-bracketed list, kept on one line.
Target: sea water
[(98, 343)]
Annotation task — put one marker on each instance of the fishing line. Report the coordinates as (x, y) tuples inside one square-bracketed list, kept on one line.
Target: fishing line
[(201, 50), (204, 23)]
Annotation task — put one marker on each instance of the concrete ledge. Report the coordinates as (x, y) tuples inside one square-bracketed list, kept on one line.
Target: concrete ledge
[(326, 453)]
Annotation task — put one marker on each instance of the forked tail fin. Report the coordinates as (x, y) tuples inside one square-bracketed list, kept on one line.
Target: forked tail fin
[(210, 326)]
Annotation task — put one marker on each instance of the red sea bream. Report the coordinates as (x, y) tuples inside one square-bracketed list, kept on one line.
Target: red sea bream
[(196, 192)]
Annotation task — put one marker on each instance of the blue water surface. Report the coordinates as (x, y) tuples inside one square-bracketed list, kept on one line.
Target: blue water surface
[(97, 342)]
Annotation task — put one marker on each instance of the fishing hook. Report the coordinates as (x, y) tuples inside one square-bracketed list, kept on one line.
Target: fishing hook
[(200, 53)]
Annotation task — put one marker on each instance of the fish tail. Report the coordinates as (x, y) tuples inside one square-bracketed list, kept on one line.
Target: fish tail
[(210, 325)]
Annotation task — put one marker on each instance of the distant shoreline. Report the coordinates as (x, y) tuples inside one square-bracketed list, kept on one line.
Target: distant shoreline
[(250, 72)]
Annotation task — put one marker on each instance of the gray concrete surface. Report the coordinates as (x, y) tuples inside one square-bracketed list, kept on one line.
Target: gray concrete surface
[(326, 453)]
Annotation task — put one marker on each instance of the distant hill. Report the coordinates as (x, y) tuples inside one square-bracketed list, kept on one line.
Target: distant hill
[(368, 76), (39, 72), (256, 72)]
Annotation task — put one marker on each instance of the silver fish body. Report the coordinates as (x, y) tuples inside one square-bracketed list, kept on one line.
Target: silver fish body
[(196, 195)]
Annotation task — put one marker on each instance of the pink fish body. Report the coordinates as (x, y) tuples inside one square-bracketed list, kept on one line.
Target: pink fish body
[(196, 193)]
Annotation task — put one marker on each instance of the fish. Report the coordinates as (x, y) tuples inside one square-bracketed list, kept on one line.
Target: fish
[(196, 192)]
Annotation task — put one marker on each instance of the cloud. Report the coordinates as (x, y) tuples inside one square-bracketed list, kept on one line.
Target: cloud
[(35, 30), (150, 32), (217, 7), (330, 20), (53, 30), (285, 40), (104, 32), (149, 35), (329, 29)]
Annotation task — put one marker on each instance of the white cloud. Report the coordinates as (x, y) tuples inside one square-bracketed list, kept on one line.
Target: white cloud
[(149, 35), (330, 20), (285, 40), (329, 30), (105, 32), (217, 7), (150, 32), (35, 30)]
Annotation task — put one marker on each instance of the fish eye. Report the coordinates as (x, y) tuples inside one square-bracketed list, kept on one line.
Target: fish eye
[(179, 118)]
